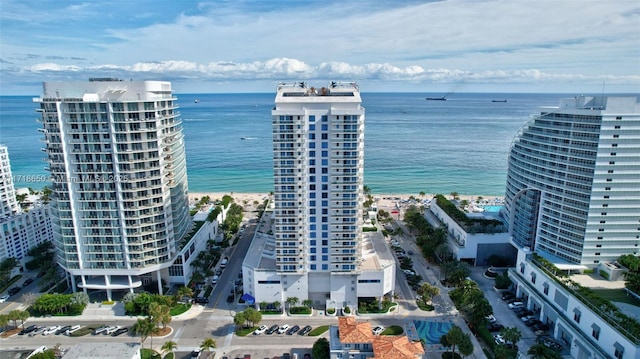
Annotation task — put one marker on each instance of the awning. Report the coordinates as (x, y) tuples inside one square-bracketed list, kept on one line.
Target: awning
[(248, 298)]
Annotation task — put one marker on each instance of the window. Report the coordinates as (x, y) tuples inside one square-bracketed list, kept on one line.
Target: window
[(619, 350), (576, 315), (595, 331), (533, 278), (522, 268), (546, 288)]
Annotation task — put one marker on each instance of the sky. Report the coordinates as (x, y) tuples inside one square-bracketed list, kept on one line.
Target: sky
[(226, 46)]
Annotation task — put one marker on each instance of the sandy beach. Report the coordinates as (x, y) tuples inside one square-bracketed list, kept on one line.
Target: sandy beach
[(383, 201)]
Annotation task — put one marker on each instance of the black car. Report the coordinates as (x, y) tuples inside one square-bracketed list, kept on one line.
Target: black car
[(28, 329), (293, 330), (494, 327), (27, 282), (231, 298), (305, 330), (201, 300), (63, 329), (13, 290), (532, 322), (272, 329), (120, 331), (541, 326), (507, 296)]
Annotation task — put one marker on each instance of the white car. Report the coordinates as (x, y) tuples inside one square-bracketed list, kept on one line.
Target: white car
[(283, 329), (378, 330), (408, 272), (110, 330), (4, 298), (499, 339), (491, 318), (40, 330), (261, 330), (51, 330), (516, 305)]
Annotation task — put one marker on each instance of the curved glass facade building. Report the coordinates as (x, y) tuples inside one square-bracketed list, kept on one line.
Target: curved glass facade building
[(115, 151), (573, 181)]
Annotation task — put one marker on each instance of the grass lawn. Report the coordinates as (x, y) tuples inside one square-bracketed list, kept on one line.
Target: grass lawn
[(300, 310), (617, 295), (393, 330), (425, 307), (180, 308), (319, 330), (149, 354), (243, 332)]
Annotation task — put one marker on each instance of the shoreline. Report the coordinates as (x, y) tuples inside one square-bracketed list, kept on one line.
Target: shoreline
[(382, 200)]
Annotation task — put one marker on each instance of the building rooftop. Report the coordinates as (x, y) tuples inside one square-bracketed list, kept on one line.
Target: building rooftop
[(351, 331)]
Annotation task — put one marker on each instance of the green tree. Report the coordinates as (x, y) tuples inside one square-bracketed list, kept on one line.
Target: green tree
[(455, 336), (466, 346), (240, 319), (541, 351), (208, 344), (144, 327), (14, 316), (252, 316), (511, 334), (307, 303), (263, 305), (6, 266), (292, 301), (428, 291), (184, 292), (160, 314), (169, 347), (422, 193), (47, 354), (455, 195), (320, 349), (4, 321), (24, 315)]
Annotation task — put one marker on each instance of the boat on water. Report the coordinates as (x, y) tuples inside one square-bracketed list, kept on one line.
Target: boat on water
[(505, 100), (443, 98), (196, 101)]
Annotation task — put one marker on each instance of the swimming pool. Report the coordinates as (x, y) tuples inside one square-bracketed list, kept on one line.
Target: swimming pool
[(492, 208), (431, 331)]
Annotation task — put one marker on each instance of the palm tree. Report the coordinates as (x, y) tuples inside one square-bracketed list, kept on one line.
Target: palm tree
[(422, 193), (292, 301), (511, 334), (14, 316), (465, 346), (144, 328), (208, 344), (455, 195), (168, 347), (24, 315), (455, 336), (263, 305), (428, 291), (184, 292), (4, 320), (307, 303)]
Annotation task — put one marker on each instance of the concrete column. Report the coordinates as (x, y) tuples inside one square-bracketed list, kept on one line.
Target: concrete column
[(73, 282), (107, 282), (84, 284), (159, 279)]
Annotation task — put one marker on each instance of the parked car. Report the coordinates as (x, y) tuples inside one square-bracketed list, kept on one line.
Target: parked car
[(305, 330), (490, 318), (73, 329), (231, 298), (100, 330), (63, 329), (111, 330), (195, 353), (540, 327), (215, 278), (28, 329), (378, 330), (293, 330), (201, 300), (120, 331), (51, 330), (27, 282), (4, 298), (263, 328), (507, 296), (498, 339), (550, 343), (39, 330), (495, 327), (13, 290), (516, 305), (283, 329), (532, 322), (272, 329)]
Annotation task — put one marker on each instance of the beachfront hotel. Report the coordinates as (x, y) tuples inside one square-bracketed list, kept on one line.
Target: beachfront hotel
[(116, 155), (311, 245), (573, 206), (20, 230)]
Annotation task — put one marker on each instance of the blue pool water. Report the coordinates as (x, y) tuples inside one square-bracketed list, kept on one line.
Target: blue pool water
[(492, 208), (431, 331)]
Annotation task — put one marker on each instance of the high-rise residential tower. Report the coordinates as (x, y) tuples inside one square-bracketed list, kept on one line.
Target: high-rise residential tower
[(573, 182), (318, 244), (8, 203), (117, 159)]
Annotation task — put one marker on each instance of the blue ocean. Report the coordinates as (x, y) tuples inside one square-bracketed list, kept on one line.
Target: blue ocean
[(411, 145)]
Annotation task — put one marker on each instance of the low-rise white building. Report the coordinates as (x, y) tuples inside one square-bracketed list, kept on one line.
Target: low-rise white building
[(586, 330), (181, 270), (23, 231), (475, 248)]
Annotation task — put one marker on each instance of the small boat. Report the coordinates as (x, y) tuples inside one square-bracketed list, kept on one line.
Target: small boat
[(499, 100), (196, 101), (443, 98)]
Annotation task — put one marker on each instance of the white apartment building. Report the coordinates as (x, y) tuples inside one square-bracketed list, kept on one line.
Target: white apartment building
[(8, 203), (116, 156), (573, 199), (573, 181), (315, 248), (19, 230)]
